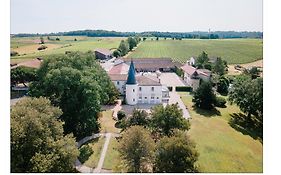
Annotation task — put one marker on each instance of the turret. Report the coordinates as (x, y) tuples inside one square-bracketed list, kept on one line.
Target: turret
[(131, 86)]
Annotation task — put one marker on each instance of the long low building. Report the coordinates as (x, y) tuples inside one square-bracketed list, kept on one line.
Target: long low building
[(153, 64)]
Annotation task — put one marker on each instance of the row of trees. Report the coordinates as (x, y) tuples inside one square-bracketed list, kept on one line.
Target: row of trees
[(126, 46), (157, 143), (195, 34), (77, 84)]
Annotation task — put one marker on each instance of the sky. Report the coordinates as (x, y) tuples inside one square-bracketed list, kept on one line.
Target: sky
[(45, 16)]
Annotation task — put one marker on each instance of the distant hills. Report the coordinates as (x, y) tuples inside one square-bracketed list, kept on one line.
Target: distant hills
[(194, 34)]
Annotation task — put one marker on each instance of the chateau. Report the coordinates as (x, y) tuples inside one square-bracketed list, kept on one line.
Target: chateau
[(140, 88)]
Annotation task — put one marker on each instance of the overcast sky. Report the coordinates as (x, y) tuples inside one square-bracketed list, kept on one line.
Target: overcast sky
[(45, 16)]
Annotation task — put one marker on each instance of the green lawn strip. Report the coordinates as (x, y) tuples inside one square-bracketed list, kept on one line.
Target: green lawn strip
[(112, 156), (222, 148), (97, 145), (107, 122), (234, 51)]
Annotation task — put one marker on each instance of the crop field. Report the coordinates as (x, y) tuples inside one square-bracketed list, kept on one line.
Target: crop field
[(27, 46), (222, 149), (234, 51)]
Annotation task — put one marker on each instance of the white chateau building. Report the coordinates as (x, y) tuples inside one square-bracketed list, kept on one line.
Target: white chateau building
[(140, 88)]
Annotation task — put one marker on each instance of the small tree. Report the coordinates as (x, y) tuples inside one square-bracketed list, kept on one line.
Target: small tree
[(139, 117), (176, 154), (204, 96), (121, 115), (136, 148), (219, 67), (144, 38), (222, 85), (42, 40), (75, 39), (202, 60), (14, 53), (116, 53), (123, 48), (157, 38), (165, 119), (132, 42)]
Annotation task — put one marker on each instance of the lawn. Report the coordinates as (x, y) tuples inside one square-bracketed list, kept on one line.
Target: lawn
[(96, 145), (107, 122), (27, 46), (234, 51), (222, 148), (112, 157)]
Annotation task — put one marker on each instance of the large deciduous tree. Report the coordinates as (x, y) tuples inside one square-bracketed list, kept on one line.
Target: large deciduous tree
[(204, 96), (136, 148), (38, 143), (165, 119), (132, 41), (248, 95), (23, 75), (202, 60), (176, 154), (78, 85), (219, 67)]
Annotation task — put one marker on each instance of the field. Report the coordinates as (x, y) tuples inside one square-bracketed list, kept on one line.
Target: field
[(27, 46), (222, 148), (232, 50)]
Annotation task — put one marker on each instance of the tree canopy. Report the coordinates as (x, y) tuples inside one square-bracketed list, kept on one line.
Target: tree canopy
[(165, 119), (38, 143), (23, 75), (137, 148), (204, 96), (123, 47), (78, 85), (176, 154)]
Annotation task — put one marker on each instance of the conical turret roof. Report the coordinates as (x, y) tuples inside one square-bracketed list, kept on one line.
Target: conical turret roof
[(131, 74)]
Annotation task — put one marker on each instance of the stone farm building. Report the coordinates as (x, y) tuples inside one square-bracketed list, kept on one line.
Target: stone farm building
[(103, 54), (193, 76)]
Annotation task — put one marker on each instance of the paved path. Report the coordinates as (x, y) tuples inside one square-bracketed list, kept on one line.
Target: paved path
[(117, 108), (175, 98), (103, 153)]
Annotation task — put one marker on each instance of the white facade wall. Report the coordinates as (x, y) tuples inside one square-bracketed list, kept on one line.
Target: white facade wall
[(121, 86), (194, 83), (146, 94), (131, 94)]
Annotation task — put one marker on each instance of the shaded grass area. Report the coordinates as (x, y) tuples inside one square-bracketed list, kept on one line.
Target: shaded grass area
[(234, 51), (221, 147), (96, 145), (108, 123)]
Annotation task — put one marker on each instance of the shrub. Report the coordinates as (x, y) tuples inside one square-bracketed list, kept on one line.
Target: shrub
[(183, 88), (14, 53), (85, 152), (121, 115), (170, 88), (116, 53), (220, 102), (42, 47)]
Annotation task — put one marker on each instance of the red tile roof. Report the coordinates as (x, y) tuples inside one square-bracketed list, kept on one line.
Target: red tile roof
[(121, 68), (118, 77), (191, 70), (103, 51)]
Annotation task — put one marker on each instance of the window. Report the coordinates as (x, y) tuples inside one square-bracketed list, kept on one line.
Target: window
[(157, 97), (152, 97), (139, 88), (117, 82), (140, 98), (145, 97), (133, 99), (152, 88), (133, 90)]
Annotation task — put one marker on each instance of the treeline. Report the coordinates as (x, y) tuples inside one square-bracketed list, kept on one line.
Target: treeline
[(195, 34)]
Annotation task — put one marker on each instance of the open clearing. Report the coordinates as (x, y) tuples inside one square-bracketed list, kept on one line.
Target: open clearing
[(232, 50), (27, 46), (233, 71), (222, 148)]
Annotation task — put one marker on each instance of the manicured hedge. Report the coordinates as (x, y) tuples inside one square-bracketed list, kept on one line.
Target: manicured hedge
[(184, 88)]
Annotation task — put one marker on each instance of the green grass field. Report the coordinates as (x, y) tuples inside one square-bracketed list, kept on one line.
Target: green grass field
[(96, 145), (222, 148), (232, 50), (112, 157), (27, 46)]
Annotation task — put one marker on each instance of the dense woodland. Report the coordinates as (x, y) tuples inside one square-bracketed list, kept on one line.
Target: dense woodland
[(194, 34)]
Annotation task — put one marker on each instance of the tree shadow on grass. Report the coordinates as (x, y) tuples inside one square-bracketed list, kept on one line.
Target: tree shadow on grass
[(247, 126), (207, 113)]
